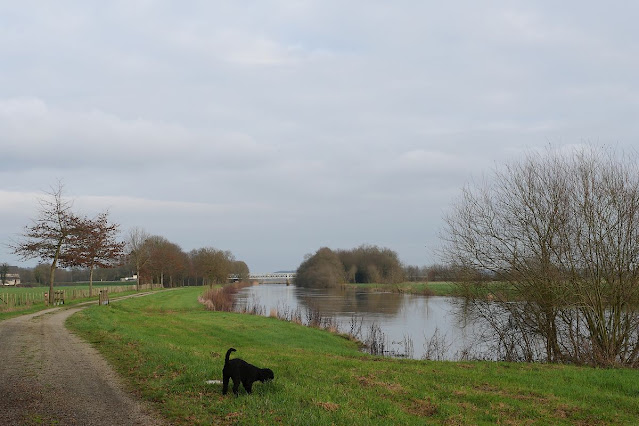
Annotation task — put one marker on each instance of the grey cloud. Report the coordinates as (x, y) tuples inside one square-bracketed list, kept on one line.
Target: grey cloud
[(275, 127)]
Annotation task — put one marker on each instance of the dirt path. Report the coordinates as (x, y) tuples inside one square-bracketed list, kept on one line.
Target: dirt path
[(50, 376)]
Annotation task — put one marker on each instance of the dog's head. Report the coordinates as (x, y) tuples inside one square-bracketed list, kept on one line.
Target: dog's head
[(266, 374)]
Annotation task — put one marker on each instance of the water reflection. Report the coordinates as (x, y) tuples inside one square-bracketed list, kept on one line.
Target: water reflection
[(429, 323)]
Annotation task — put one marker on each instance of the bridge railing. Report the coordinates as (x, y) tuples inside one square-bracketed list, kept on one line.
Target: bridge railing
[(284, 276)]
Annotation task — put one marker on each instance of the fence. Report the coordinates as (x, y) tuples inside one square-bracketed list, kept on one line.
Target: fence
[(11, 300)]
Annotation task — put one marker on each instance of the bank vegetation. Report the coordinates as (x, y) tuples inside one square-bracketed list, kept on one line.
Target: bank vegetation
[(558, 233)]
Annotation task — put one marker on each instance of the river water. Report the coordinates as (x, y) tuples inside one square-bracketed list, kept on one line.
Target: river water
[(411, 325)]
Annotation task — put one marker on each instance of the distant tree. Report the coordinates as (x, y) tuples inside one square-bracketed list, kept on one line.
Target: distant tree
[(323, 269), (4, 270), (96, 245), (166, 259), (438, 272), (213, 265), (240, 269), (137, 251), (41, 273), (371, 264), (413, 273), (48, 238)]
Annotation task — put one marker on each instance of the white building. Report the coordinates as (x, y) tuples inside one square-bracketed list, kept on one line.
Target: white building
[(12, 279)]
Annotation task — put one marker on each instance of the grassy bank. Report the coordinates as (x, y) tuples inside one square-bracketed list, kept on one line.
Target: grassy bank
[(429, 289), (166, 345), (442, 288)]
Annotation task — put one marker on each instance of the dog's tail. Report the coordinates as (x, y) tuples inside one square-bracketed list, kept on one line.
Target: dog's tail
[(228, 353)]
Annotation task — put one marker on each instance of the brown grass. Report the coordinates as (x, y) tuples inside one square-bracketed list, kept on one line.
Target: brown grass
[(222, 298)]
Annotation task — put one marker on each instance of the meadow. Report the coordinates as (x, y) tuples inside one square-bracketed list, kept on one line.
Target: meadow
[(167, 346), (23, 300)]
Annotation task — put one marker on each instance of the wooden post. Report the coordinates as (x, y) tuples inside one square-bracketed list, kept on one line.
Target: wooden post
[(104, 297)]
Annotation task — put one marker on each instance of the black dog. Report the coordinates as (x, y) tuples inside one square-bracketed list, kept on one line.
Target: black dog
[(241, 371)]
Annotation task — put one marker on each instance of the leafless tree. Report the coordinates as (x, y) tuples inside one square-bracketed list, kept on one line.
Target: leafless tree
[(137, 250), (561, 233), (213, 265), (241, 269), (166, 259), (48, 236)]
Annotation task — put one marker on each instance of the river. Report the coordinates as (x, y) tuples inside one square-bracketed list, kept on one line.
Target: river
[(405, 325)]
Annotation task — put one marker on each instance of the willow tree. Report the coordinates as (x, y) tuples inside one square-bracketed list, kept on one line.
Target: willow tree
[(48, 238), (560, 233)]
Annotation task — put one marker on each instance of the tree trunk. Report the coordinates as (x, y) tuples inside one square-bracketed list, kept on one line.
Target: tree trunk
[(54, 265), (91, 281)]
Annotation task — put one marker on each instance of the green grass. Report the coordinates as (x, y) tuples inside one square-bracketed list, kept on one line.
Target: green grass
[(431, 288), (166, 345), (32, 298), (443, 288)]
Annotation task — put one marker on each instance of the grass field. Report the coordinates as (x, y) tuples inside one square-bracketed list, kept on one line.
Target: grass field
[(166, 346), (22, 300)]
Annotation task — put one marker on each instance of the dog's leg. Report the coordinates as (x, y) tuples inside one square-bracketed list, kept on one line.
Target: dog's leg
[(225, 384), (248, 385), (236, 385)]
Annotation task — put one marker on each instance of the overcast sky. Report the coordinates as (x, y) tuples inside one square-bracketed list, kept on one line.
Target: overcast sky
[(273, 128)]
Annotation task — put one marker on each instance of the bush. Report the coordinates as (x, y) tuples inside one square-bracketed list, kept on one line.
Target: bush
[(221, 298)]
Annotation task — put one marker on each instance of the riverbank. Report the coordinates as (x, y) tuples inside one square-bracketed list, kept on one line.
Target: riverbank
[(167, 346), (423, 288), (442, 288)]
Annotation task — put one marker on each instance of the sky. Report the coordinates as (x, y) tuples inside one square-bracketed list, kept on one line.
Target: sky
[(272, 128)]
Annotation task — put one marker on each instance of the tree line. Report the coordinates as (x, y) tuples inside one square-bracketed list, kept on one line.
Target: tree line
[(155, 259), (433, 273), (76, 246), (364, 264)]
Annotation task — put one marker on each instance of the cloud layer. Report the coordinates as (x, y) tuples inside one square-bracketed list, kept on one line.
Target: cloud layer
[(273, 128)]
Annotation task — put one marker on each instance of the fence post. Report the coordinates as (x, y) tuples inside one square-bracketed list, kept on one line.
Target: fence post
[(104, 297)]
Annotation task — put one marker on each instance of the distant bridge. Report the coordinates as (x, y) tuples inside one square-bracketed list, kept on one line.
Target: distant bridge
[(271, 278)]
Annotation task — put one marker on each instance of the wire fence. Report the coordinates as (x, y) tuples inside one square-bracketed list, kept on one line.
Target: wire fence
[(12, 300)]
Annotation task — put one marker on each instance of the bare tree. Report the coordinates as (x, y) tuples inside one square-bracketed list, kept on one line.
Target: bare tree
[(137, 250), (213, 265), (241, 269), (48, 237), (561, 233), (165, 259)]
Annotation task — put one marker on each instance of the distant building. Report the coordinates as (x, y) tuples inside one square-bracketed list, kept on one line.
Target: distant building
[(12, 279), (133, 278)]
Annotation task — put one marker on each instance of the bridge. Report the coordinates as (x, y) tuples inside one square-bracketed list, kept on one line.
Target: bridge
[(271, 278)]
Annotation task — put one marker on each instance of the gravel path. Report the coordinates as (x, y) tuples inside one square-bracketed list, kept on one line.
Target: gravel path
[(50, 376)]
